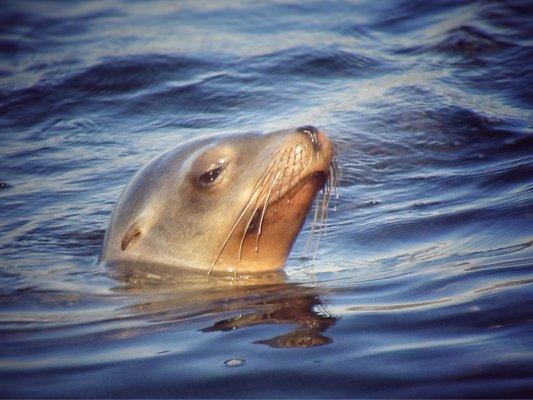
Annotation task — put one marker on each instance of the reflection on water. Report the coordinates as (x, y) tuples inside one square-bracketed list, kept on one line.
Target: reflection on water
[(307, 313), (261, 299)]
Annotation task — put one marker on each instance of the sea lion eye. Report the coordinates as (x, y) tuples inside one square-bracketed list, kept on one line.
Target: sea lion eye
[(212, 175)]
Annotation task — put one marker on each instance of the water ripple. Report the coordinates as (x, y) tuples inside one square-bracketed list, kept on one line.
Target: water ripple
[(422, 285)]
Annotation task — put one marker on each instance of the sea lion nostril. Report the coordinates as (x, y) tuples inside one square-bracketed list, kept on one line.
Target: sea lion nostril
[(308, 130), (312, 133)]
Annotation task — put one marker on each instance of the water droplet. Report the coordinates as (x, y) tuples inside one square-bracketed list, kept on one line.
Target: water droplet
[(234, 362)]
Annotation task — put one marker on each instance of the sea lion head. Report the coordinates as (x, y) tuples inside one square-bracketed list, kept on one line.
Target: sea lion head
[(221, 204)]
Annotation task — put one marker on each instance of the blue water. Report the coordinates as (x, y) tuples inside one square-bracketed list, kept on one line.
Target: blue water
[(423, 284)]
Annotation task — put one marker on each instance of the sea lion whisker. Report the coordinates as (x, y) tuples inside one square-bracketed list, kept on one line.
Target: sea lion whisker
[(332, 182), (313, 226), (326, 205), (322, 213), (252, 197), (263, 211), (335, 174), (258, 202), (330, 187), (241, 215), (293, 151), (300, 163), (280, 185), (299, 154), (309, 161)]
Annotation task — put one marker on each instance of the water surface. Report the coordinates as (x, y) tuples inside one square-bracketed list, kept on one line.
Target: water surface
[(423, 284)]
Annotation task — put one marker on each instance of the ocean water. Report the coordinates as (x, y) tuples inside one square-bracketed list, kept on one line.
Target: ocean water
[(423, 283)]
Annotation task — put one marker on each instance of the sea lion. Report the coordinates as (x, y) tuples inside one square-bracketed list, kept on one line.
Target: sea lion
[(221, 204)]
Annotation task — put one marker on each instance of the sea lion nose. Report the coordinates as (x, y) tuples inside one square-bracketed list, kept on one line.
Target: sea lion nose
[(307, 130), (311, 132)]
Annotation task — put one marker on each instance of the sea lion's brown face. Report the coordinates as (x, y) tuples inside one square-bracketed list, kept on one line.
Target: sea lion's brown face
[(222, 205)]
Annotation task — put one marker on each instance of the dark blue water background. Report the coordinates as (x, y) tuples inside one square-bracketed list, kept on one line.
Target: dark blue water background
[(423, 285)]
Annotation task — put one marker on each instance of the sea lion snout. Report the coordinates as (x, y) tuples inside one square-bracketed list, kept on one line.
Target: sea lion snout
[(307, 130), (318, 139), (312, 133)]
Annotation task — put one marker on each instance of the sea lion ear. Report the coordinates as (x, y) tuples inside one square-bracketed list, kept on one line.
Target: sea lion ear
[(133, 232)]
